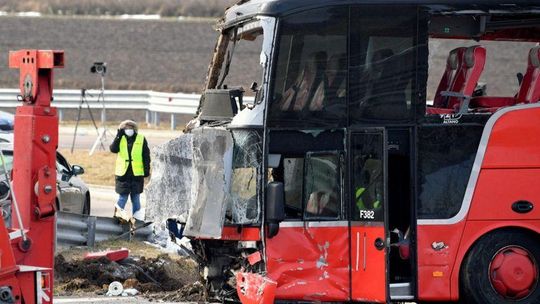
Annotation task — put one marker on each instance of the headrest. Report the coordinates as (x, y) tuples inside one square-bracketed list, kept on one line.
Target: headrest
[(534, 56), (470, 57), (453, 59)]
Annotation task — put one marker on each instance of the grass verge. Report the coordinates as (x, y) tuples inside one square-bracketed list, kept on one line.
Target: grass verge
[(98, 168)]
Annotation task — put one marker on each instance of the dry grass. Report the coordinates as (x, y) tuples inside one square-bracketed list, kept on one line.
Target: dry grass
[(98, 168)]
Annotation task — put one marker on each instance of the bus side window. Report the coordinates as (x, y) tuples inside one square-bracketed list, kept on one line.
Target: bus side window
[(293, 172), (368, 178), (311, 69), (384, 68), (322, 185)]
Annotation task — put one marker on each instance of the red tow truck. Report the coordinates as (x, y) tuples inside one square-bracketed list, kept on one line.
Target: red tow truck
[(27, 248)]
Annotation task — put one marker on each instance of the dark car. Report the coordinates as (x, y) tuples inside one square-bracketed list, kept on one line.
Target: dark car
[(7, 121), (72, 196)]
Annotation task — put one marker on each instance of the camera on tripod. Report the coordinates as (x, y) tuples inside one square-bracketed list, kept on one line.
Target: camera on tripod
[(99, 68)]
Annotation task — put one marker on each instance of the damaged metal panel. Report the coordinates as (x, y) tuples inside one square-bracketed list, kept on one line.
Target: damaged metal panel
[(253, 288), (321, 272), (168, 195), (212, 158)]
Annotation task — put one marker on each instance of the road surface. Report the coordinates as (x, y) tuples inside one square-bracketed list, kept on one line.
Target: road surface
[(103, 199)]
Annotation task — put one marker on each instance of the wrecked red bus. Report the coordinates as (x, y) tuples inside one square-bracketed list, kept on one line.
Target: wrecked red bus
[(388, 152)]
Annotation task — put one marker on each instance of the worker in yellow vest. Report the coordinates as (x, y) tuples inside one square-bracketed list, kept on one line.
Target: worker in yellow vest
[(132, 166)]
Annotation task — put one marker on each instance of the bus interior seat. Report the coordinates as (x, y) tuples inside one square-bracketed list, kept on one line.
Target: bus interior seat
[(530, 87), (449, 76), (529, 90), (471, 62), (322, 203), (305, 92)]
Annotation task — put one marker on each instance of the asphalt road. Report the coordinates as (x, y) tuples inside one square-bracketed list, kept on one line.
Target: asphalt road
[(103, 199)]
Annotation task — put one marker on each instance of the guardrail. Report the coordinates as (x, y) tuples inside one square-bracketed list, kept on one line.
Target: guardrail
[(83, 230), (152, 102)]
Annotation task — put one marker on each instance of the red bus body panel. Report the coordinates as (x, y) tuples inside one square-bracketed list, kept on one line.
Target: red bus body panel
[(368, 265), (509, 172), (435, 266), (310, 263), (231, 233)]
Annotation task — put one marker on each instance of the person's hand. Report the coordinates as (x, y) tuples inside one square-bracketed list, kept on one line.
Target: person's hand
[(119, 132)]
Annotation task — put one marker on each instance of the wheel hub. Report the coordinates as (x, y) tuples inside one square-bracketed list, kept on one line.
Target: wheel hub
[(513, 272)]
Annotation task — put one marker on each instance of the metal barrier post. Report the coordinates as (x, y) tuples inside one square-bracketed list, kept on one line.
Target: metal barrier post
[(173, 122), (91, 236), (156, 119)]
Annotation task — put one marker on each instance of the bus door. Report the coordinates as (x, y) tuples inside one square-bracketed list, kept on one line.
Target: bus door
[(368, 244), (309, 256)]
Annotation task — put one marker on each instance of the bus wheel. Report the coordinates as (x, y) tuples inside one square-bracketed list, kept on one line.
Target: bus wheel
[(502, 268)]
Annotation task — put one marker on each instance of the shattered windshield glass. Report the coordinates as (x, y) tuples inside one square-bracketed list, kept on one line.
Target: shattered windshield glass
[(243, 207)]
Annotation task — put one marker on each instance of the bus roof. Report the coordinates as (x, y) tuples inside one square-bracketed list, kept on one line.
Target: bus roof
[(246, 9)]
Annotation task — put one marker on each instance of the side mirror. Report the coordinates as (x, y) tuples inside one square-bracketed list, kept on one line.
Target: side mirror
[(77, 170), (275, 207)]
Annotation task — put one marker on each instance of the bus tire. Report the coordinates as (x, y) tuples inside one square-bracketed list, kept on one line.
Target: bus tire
[(502, 267)]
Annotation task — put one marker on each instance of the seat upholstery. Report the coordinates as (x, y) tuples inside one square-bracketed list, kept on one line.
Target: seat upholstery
[(470, 65), (449, 76), (529, 91), (468, 74)]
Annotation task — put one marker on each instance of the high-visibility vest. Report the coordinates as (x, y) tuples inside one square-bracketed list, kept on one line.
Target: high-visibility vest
[(122, 159), (360, 201)]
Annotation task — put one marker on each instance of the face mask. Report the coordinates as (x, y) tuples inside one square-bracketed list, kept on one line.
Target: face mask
[(129, 132)]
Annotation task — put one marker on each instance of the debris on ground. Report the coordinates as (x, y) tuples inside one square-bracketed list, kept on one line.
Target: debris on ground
[(161, 239), (155, 277), (189, 293), (111, 255), (115, 289)]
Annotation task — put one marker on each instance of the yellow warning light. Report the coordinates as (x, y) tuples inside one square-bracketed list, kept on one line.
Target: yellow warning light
[(438, 274)]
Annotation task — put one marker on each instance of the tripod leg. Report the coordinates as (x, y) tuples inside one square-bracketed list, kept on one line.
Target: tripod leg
[(94, 122), (98, 140), (76, 125)]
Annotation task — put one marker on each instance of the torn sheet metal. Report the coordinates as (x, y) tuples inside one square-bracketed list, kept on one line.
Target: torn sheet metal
[(320, 273), (212, 160), (243, 206), (253, 288), (168, 195)]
